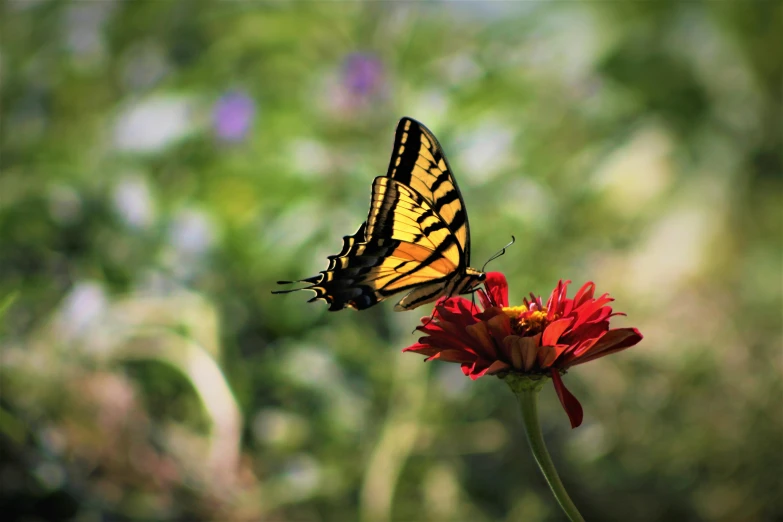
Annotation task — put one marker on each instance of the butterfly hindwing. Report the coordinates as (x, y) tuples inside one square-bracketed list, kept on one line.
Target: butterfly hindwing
[(397, 212), (344, 282)]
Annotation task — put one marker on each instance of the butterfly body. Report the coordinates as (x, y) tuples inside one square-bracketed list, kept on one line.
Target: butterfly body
[(416, 238)]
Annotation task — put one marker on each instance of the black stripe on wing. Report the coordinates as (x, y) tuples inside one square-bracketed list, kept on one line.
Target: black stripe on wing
[(345, 282), (419, 162), (401, 213)]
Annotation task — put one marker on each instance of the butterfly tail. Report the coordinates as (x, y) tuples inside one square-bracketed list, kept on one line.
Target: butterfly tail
[(310, 280)]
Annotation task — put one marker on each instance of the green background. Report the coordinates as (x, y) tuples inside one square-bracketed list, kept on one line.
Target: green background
[(149, 374)]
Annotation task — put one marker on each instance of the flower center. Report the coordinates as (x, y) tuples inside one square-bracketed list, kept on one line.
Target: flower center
[(526, 322)]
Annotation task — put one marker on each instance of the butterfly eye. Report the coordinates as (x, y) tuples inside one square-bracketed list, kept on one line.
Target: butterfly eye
[(482, 276)]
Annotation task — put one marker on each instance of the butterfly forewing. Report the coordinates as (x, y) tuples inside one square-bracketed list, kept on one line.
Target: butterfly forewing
[(418, 161)]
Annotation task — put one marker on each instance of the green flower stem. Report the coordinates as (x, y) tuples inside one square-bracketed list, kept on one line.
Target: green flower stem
[(527, 388)]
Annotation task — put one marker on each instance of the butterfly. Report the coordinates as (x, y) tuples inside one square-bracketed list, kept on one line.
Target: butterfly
[(416, 238)]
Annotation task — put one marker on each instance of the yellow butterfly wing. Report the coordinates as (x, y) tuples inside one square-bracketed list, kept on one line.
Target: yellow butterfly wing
[(419, 162), (416, 238), (435, 255), (406, 247)]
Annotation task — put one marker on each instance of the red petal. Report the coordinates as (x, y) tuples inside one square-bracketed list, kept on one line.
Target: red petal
[(484, 299), (603, 314), (570, 403), (482, 339), (554, 296), (567, 307), (497, 286), (422, 349), (611, 342), (475, 372), (557, 301), (577, 351), (449, 342), (438, 305), (446, 327), (497, 366), (585, 313), (414, 347), (586, 331), (555, 330), (457, 356), (548, 355), (455, 306), (535, 300), (499, 327), (467, 308), (584, 294), (456, 319), (489, 313)]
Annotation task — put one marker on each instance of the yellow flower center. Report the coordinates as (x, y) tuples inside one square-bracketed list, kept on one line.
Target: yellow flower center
[(526, 322), (514, 311)]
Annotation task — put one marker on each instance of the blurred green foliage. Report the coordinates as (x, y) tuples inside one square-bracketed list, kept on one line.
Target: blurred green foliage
[(163, 163)]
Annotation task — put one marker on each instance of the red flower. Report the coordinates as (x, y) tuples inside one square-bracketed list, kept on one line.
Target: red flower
[(532, 339)]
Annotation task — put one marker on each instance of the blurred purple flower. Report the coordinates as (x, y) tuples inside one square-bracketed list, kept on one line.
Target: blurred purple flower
[(363, 74), (233, 116)]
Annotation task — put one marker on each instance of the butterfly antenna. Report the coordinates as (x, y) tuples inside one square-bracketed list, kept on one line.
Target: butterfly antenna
[(499, 253)]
